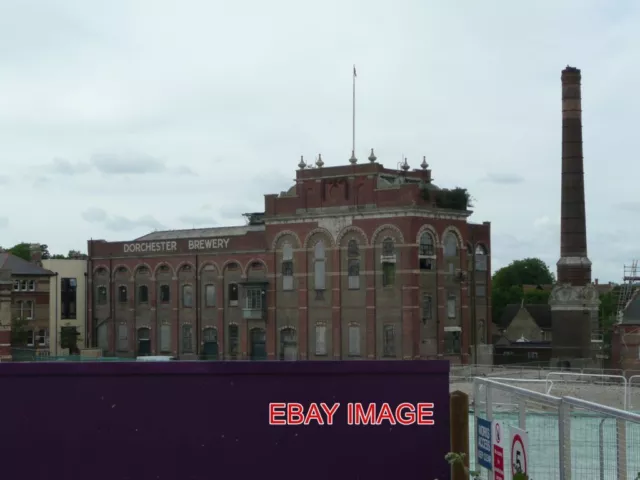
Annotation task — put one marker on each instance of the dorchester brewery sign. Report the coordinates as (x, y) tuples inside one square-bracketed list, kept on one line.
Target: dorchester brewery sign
[(171, 246)]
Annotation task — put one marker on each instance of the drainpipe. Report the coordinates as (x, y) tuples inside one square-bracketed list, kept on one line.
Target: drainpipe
[(88, 340), (196, 293), (56, 315), (112, 307)]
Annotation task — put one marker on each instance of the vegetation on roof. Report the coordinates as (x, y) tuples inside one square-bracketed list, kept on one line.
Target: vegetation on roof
[(453, 199)]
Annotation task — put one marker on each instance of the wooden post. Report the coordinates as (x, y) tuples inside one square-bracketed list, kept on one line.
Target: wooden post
[(459, 430)]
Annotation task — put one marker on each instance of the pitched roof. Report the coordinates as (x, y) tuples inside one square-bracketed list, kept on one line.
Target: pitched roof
[(631, 315), (18, 266), (540, 312)]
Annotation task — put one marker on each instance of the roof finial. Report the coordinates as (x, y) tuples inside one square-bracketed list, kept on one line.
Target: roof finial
[(353, 160), (424, 163), (372, 157), (319, 162), (405, 165), (302, 165)]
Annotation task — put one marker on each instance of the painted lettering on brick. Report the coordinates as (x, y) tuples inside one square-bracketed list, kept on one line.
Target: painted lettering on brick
[(150, 247), (208, 244)]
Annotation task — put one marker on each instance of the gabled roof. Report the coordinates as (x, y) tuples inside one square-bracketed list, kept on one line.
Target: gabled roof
[(631, 314), (541, 314), (18, 266)]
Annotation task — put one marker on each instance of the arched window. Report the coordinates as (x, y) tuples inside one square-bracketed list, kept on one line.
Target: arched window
[(287, 267), (210, 344), (481, 258), (353, 264), (143, 294), (450, 245), (144, 342), (122, 294), (288, 345), (319, 266), (388, 249), (165, 293), (187, 339), (187, 296), (101, 295), (388, 263), (427, 247)]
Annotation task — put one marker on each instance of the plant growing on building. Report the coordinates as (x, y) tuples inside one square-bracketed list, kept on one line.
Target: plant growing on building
[(453, 199)]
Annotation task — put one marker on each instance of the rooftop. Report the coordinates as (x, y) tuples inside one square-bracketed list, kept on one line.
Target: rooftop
[(18, 266), (201, 233)]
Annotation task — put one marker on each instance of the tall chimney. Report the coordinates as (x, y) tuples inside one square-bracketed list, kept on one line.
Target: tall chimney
[(574, 267)]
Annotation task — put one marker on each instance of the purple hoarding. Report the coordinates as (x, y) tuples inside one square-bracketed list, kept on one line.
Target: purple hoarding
[(204, 420)]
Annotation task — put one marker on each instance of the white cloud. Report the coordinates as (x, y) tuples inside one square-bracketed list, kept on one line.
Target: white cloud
[(145, 126)]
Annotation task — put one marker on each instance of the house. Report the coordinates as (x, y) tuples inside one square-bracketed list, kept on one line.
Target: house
[(525, 334), (29, 305)]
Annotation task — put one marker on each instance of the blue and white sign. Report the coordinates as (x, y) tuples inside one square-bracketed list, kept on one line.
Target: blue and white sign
[(483, 448)]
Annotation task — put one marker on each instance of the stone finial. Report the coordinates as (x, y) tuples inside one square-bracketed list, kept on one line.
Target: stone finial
[(372, 157), (405, 165), (302, 165), (319, 162), (353, 160), (424, 165)]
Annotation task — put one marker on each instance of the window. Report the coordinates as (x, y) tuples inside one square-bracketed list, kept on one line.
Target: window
[(234, 341), (319, 266), (210, 295), (144, 342), (354, 274), (210, 344), (143, 294), (23, 285), (103, 336), (426, 248), (233, 294), (352, 249), (32, 285), (388, 341), (30, 338), (288, 345), (258, 343), (187, 296), (122, 294), (450, 245), (481, 290), (165, 293), (101, 295), (16, 285), (165, 338), (187, 339), (210, 335), (43, 337), (321, 339), (427, 264), (388, 249), (68, 293), (253, 300), (27, 310), (451, 306), (123, 338), (354, 340), (287, 267), (481, 259), (427, 307), (452, 342), (532, 355), (388, 274)]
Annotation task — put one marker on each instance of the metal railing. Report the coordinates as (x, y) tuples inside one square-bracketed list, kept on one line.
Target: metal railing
[(569, 438)]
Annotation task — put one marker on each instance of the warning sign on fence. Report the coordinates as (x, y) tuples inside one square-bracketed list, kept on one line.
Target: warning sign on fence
[(519, 451), (498, 451)]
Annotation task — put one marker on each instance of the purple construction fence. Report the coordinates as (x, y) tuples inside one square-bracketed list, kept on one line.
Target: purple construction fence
[(204, 420)]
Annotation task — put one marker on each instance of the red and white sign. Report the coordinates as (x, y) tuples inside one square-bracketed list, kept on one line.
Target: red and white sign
[(519, 451), (498, 451)]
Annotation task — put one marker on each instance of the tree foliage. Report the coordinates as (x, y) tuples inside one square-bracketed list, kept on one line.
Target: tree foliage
[(23, 250), (19, 335), (507, 284)]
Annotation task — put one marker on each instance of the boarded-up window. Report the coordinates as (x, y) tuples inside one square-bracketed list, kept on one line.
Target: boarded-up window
[(481, 290), (210, 295), (451, 306), (319, 266), (101, 295), (354, 274), (187, 296), (450, 245), (123, 338), (427, 307), (187, 339), (321, 339), (103, 337), (165, 338), (388, 341), (354, 340), (288, 345)]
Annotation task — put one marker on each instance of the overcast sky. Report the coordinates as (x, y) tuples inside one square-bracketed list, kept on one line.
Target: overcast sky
[(121, 117)]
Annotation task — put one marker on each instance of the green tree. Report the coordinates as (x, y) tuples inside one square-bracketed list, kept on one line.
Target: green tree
[(19, 333), (22, 250), (507, 284)]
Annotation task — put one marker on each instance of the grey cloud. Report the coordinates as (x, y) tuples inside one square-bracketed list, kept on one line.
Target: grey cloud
[(4, 222), (111, 164), (628, 206), (62, 166), (4, 180), (40, 181), (184, 170), (197, 220), (503, 178), (94, 214), (120, 224)]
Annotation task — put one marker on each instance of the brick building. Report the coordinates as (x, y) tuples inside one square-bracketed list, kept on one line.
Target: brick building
[(352, 262)]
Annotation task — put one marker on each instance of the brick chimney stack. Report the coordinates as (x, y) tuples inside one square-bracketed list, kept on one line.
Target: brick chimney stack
[(574, 266)]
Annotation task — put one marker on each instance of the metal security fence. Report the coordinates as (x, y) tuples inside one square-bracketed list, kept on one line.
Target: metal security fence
[(569, 438)]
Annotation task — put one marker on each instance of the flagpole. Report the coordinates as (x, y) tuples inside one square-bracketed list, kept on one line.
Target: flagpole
[(353, 118)]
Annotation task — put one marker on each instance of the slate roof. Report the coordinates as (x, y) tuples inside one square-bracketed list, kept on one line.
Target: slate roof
[(18, 266), (541, 314), (631, 314), (201, 233)]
